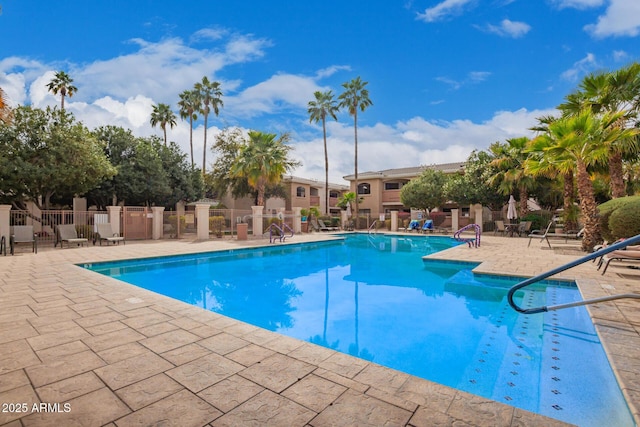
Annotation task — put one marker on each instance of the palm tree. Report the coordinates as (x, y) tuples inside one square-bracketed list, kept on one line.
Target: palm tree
[(544, 160), (509, 160), (355, 97), (163, 116), (323, 106), (585, 139), (61, 83), (5, 110), (614, 92), (263, 161), (210, 97), (188, 109)]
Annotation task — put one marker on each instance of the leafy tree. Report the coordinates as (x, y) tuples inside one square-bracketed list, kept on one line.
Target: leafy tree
[(62, 83), (323, 106), (210, 96), (46, 152), (425, 192), (227, 147), (189, 106), (163, 116), (473, 185), (509, 161), (5, 110), (355, 97), (186, 183), (263, 161)]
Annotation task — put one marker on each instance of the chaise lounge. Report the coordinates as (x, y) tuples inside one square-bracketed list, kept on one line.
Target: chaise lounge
[(105, 233), (23, 234), (546, 235), (67, 233)]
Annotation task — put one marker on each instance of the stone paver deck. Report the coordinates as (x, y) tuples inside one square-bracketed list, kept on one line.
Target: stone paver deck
[(96, 351)]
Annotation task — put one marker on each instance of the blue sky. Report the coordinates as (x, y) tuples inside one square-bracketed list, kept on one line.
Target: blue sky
[(445, 76)]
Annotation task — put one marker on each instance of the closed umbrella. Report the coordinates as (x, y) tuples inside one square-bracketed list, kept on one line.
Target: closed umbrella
[(512, 212)]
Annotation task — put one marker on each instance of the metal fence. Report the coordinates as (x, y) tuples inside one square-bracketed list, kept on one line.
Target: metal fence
[(44, 222)]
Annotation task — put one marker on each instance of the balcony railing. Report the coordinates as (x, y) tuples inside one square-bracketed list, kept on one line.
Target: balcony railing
[(314, 200), (391, 196)]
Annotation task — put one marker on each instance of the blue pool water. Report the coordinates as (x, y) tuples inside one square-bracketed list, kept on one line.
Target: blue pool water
[(375, 298)]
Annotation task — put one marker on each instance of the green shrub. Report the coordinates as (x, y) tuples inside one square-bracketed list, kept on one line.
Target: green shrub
[(539, 219), (216, 225), (276, 221), (606, 211), (624, 222)]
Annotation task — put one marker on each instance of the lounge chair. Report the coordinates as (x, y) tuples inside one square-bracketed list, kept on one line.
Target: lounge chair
[(414, 225), (106, 233), (619, 255), (67, 233), (23, 234), (323, 226), (316, 226), (500, 228), (428, 226), (524, 228), (546, 235)]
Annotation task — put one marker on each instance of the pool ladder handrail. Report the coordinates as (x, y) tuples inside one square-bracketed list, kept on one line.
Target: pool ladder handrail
[(472, 242), (373, 224), (621, 245), (281, 232)]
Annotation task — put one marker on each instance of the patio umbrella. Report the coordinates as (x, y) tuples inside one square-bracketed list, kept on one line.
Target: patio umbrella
[(348, 210), (512, 213)]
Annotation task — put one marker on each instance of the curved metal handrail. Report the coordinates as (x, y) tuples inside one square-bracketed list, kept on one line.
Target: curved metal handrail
[(593, 255), (373, 224)]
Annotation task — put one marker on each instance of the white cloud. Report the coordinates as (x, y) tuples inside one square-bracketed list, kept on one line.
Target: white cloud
[(329, 71), (620, 55), (508, 28), (581, 67), (622, 18), (443, 10), (472, 78), (578, 4)]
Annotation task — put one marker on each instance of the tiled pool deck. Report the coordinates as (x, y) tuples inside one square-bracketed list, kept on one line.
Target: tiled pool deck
[(119, 355)]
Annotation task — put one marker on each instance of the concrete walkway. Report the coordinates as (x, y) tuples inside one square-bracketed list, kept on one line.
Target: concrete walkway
[(90, 350)]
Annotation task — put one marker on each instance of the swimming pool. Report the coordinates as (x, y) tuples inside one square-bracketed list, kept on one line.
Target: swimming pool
[(375, 298)]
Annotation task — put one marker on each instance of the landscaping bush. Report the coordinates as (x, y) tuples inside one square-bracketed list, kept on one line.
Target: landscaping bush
[(539, 219), (216, 225), (606, 211), (624, 221), (276, 221)]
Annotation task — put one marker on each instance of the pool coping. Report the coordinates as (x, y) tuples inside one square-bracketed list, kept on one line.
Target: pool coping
[(97, 331)]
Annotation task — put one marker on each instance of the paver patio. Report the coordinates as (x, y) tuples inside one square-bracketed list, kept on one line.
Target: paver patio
[(120, 355)]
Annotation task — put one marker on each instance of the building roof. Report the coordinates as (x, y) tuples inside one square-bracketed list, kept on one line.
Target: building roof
[(313, 182), (410, 172)]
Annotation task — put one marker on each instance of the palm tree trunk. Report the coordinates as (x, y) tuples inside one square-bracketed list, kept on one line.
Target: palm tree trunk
[(355, 130), (326, 168), (164, 130), (616, 175), (204, 149), (568, 190), (191, 139), (589, 209), (524, 198)]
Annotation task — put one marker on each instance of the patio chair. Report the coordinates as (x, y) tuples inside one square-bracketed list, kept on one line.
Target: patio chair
[(316, 226), (414, 225), (620, 255), (571, 234), (67, 233), (106, 233), (428, 226), (500, 228), (324, 226), (524, 227), (23, 234)]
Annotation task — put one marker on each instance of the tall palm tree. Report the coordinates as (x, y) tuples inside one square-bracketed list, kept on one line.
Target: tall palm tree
[(5, 110), (355, 97), (613, 92), (188, 109), (509, 160), (263, 161), (61, 83), (542, 160), (585, 138), (323, 106), (163, 116), (210, 98)]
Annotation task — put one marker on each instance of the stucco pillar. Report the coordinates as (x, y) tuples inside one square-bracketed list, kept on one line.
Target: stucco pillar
[(5, 221), (343, 218), (394, 220), (80, 211), (114, 218), (455, 217), (297, 220), (156, 226), (202, 221), (257, 220), (477, 208)]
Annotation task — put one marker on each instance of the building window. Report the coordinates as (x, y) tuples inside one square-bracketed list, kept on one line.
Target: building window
[(300, 192), (334, 194), (364, 188), (392, 185)]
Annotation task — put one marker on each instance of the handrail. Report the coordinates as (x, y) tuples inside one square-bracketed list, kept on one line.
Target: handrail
[(371, 226), (567, 266), (471, 242), (281, 232)]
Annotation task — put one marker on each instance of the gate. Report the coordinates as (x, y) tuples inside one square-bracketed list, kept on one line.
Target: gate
[(137, 223)]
